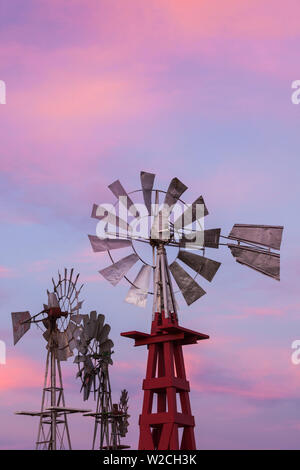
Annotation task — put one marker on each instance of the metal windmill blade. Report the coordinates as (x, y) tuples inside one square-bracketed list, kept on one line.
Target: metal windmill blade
[(121, 194), (175, 190), (147, 182), (209, 238), (206, 267), (138, 292), (111, 219), (117, 271), (189, 288), (191, 214), (99, 244)]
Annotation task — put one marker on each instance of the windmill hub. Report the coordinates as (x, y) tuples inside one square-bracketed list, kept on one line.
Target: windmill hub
[(55, 312)]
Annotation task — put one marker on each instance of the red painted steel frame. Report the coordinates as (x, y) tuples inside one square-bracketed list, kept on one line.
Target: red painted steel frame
[(166, 380)]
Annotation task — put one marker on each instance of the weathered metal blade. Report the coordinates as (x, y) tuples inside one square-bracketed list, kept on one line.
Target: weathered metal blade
[(99, 244), (103, 336), (265, 262), (93, 315), (147, 181), (52, 300), (137, 294), (175, 190), (115, 272), (92, 328), (210, 239), (120, 193), (100, 323), (160, 229), (19, 327), (266, 235), (111, 219), (191, 214), (206, 267), (190, 290), (63, 350), (76, 318), (77, 306), (70, 282), (106, 346)]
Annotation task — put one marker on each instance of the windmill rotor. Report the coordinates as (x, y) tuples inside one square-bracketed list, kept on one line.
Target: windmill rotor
[(251, 245), (94, 353), (60, 317)]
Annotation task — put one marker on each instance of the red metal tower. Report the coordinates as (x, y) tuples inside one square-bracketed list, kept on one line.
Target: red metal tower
[(163, 413)]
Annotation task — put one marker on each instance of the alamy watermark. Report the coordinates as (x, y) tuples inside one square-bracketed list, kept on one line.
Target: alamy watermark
[(2, 352), (175, 223), (295, 357), (2, 92), (295, 97)]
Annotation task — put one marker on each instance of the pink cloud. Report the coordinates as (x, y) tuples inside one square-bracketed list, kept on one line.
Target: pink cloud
[(7, 272), (260, 373), (20, 373)]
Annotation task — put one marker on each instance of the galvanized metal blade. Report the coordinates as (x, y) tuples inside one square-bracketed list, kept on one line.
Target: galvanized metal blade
[(77, 306), (265, 262), (105, 244), (52, 300), (209, 238), (191, 214), (121, 194), (206, 267), (266, 235), (106, 346), (147, 181), (175, 190), (115, 272), (190, 290), (63, 351), (100, 323), (111, 219), (138, 293), (19, 327), (103, 336), (160, 229)]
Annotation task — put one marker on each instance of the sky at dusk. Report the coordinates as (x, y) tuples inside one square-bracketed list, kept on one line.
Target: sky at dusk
[(98, 90)]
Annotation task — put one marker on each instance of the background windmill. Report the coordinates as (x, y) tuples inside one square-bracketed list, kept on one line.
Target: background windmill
[(251, 245), (93, 359), (60, 323)]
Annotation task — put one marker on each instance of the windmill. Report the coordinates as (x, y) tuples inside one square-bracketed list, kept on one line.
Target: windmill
[(169, 228), (60, 323), (93, 359)]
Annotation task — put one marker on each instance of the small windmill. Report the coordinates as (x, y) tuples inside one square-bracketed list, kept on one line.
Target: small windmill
[(165, 380), (60, 323), (93, 359)]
